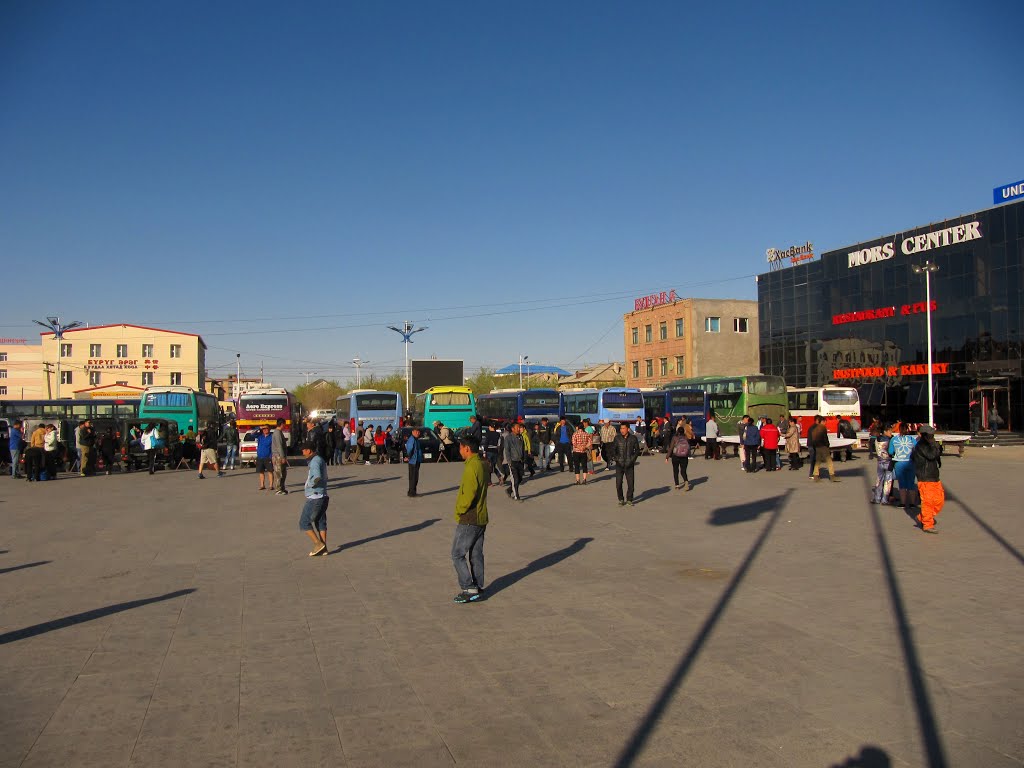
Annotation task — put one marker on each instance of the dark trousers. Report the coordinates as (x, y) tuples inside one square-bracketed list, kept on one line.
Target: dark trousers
[(516, 473), (33, 462), (468, 544), (770, 460), (750, 458), (579, 463), (494, 462), (795, 462), (414, 478), (628, 473), (562, 449), (679, 466), (712, 450), (606, 454), (151, 460)]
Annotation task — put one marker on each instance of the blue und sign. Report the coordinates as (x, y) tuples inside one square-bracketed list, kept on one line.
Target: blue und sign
[(1007, 193)]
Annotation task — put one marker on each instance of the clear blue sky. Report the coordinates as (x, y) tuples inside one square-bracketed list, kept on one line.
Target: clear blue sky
[(247, 170)]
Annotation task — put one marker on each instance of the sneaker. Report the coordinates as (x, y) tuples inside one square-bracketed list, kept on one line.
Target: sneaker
[(622, 503), (929, 530), (466, 597), (220, 474), (629, 503), (279, 493), (686, 486), (202, 477)]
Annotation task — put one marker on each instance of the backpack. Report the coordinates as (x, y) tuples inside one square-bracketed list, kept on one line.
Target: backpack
[(682, 448)]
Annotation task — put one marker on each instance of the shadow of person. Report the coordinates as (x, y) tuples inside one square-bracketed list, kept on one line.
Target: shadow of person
[(744, 513), (546, 561), (695, 481), (439, 490), (24, 565), (869, 757), (650, 493), (387, 535)]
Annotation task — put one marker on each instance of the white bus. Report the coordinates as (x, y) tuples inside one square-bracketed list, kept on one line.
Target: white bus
[(831, 402)]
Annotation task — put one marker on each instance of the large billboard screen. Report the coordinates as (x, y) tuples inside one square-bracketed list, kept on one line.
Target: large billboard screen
[(435, 373)]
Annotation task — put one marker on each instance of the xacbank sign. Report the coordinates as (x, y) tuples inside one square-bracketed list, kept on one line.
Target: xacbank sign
[(940, 238)]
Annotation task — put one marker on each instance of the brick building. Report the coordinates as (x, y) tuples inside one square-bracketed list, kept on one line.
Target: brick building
[(681, 338)]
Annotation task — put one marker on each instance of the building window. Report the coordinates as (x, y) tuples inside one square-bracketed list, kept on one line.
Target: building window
[(680, 365), (3, 373), (648, 334), (712, 324), (680, 328), (147, 351), (740, 324), (663, 366), (650, 367), (3, 390), (636, 369), (65, 350), (662, 331), (176, 379), (95, 350), (636, 335), (3, 357), (147, 379), (65, 377), (94, 378), (121, 383), (122, 350), (175, 350)]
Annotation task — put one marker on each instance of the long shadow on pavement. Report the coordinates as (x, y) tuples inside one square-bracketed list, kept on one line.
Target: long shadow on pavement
[(631, 751), (79, 618), (350, 483), (922, 701), (439, 490), (553, 558), (25, 565), (387, 534), (650, 493), (987, 528)]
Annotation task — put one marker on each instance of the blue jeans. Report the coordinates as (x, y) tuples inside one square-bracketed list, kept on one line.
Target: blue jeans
[(314, 514), (230, 456), (469, 540), (15, 458)]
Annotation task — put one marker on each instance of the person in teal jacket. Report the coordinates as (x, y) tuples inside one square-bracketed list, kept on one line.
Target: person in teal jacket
[(471, 523)]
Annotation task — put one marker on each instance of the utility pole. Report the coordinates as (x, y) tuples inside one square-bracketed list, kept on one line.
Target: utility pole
[(53, 324), (307, 374), (407, 332), (358, 364), (238, 375), (49, 391)]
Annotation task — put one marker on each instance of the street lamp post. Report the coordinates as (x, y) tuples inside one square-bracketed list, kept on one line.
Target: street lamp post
[(407, 332), (927, 268), (53, 324), (358, 364), (522, 359)]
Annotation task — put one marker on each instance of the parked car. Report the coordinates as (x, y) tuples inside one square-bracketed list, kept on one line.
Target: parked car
[(429, 441)]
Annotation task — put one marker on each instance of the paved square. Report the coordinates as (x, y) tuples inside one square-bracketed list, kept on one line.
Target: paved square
[(757, 620)]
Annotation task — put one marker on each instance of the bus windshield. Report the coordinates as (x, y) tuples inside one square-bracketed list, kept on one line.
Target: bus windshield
[(840, 396), (623, 400), (168, 400), (687, 400), (449, 398), (540, 401), (381, 401), (765, 385)]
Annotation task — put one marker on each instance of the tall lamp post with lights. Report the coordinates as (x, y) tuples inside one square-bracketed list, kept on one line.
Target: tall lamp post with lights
[(358, 364), (53, 324), (406, 332), (523, 359), (927, 268)]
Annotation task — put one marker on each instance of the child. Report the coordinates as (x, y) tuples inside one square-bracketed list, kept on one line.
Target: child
[(883, 483)]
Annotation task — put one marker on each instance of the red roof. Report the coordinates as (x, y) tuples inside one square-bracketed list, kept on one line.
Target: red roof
[(129, 325)]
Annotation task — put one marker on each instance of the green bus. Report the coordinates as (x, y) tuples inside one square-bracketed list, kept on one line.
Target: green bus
[(451, 405), (188, 407), (732, 397)]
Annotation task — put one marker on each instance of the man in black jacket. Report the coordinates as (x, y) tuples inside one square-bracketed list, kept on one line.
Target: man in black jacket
[(625, 452)]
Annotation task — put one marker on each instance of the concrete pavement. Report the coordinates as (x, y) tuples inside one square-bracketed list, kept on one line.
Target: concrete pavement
[(756, 620)]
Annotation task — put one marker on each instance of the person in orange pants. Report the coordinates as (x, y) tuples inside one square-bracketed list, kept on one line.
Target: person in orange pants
[(927, 459)]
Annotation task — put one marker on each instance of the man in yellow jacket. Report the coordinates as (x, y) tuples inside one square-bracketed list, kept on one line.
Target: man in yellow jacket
[(471, 523)]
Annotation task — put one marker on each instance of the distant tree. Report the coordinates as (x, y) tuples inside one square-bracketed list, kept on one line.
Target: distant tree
[(320, 395), (392, 382)]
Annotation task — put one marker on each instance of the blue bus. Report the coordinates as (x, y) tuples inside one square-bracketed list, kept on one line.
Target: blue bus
[(619, 405), (189, 408), (523, 405), (674, 403), (363, 407)]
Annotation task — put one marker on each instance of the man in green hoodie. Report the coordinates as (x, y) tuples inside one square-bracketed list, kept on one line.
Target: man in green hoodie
[(471, 522)]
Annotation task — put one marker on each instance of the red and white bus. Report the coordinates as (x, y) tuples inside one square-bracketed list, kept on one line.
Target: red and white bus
[(831, 402), (259, 406)]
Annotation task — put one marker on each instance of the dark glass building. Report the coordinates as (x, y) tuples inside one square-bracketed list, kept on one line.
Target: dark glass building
[(857, 316)]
